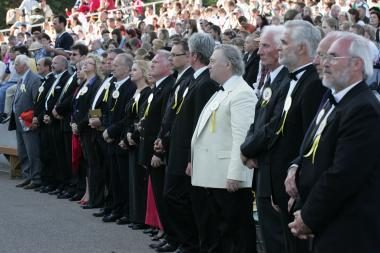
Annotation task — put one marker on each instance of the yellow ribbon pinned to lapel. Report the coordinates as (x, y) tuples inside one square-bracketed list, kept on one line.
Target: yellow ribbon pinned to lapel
[(114, 105), (180, 106), (135, 105), (147, 110), (313, 149), (281, 129), (212, 125), (105, 97)]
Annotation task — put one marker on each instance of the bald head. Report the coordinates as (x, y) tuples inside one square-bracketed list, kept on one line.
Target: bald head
[(323, 47), (59, 64)]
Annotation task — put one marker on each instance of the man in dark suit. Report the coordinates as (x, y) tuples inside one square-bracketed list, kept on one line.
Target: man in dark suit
[(195, 94), (63, 41), (100, 157), (255, 147), (27, 135), (338, 175), (303, 96), (121, 91), (62, 112), (48, 78), (154, 110), (59, 66), (251, 59)]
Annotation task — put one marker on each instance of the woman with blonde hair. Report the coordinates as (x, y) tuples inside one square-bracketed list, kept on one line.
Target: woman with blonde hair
[(137, 174), (80, 126)]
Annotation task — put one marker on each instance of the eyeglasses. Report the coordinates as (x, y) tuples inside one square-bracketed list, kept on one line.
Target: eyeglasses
[(333, 59), (174, 55)]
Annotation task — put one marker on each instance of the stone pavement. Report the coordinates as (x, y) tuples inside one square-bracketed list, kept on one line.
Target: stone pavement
[(40, 223)]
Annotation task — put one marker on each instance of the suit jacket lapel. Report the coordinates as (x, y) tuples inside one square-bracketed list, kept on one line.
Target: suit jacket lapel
[(309, 71)]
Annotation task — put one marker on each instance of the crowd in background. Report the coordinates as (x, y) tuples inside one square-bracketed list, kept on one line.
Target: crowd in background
[(111, 112)]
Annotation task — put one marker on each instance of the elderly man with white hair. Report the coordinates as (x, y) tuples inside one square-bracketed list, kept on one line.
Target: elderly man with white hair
[(223, 207), (338, 175), (21, 119)]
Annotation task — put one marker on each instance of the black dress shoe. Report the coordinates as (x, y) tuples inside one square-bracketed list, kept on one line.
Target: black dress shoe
[(148, 231), (154, 232), (23, 184), (101, 213), (47, 189), (130, 225), (88, 207), (167, 248), (123, 221), (32, 186), (157, 245), (66, 195), (111, 218), (138, 226), (55, 192), (76, 197), (158, 236)]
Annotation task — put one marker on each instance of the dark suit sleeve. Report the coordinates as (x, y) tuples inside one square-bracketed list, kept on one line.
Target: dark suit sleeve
[(347, 174), (258, 140)]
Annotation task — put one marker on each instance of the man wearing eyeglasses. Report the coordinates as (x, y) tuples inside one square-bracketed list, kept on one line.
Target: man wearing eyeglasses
[(338, 173)]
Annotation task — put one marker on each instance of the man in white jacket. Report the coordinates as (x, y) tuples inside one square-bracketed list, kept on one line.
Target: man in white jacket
[(222, 198)]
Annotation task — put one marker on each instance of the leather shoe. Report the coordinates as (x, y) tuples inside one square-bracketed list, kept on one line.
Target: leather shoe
[(123, 221), (47, 189), (101, 213), (138, 226), (88, 206), (32, 186), (55, 192), (158, 245), (66, 195), (111, 218), (23, 184), (167, 248), (148, 231), (76, 197)]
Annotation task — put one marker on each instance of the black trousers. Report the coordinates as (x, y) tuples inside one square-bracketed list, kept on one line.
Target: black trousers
[(60, 157), (47, 156), (270, 226), (177, 197), (224, 220), (119, 180), (138, 184), (95, 173), (67, 172), (157, 177)]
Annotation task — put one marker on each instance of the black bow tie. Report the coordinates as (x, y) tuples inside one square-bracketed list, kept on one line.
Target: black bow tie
[(220, 88), (43, 79), (293, 75)]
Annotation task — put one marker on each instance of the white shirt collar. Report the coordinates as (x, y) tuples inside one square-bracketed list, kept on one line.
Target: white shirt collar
[(340, 94), (158, 82), (181, 74), (58, 76), (301, 73), (231, 83), (199, 72), (273, 74), (23, 77), (119, 83)]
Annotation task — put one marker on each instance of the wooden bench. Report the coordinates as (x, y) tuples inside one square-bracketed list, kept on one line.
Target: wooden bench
[(12, 156)]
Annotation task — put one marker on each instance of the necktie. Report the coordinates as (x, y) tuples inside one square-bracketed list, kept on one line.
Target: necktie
[(264, 72), (220, 88)]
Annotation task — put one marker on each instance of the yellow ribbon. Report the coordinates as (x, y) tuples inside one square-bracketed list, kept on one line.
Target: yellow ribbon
[(313, 148), (281, 129), (39, 95), (114, 105), (105, 98), (135, 104), (212, 126), (180, 105), (147, 110), (264, 103), (175, 101)]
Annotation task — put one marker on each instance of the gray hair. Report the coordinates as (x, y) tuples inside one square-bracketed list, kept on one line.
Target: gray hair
[(203, 45), (234, 56), (361, 48), (276, 31), (23, 59), (302, 32), (127, 59)]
